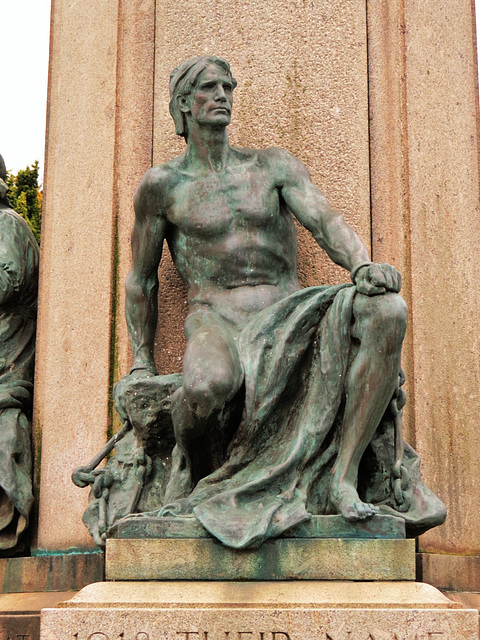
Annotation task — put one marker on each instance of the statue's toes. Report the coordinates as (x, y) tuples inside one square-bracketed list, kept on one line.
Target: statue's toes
[(368, 510), (353, 512), (359, 511)]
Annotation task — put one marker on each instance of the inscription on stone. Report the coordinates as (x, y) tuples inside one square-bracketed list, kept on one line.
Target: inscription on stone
[(244, 634), (19, 627)]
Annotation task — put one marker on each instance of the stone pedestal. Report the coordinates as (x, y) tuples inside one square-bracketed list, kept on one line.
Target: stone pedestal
[(259, 611), (324, 548), (280, 559)]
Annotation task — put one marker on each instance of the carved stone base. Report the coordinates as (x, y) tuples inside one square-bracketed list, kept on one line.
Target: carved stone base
[(259, 611), (280, 559)]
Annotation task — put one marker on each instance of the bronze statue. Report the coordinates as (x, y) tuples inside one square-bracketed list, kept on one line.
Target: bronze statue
[(18, 308), (283, 388)]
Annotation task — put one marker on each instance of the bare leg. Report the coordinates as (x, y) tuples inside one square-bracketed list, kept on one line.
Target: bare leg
[(212, 375), (380, 324)]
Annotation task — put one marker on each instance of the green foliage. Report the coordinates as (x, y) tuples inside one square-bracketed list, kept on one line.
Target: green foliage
[(25, 196)]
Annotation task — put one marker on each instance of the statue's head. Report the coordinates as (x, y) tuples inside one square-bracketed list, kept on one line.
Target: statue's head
[(182, 82)]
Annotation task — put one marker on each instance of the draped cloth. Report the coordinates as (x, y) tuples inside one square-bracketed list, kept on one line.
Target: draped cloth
[(18, 303), (296, 355)]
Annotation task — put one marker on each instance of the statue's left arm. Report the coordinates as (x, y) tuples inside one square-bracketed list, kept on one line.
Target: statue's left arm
[(329, 227)]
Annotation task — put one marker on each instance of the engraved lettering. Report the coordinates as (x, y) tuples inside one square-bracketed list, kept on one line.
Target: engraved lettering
[(98, 635), (141, 635), (187, 634), (280, 633), (22, 637), (244, 633), (434, 633)]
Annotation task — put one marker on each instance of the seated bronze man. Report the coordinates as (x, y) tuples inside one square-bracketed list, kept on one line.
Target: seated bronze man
[(283, 388)]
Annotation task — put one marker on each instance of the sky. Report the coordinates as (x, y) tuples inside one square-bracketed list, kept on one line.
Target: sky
[(24, 44)]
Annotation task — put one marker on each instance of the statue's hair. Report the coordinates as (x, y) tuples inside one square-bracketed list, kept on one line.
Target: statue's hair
[(3, 187), (3, 169), (182, 81)]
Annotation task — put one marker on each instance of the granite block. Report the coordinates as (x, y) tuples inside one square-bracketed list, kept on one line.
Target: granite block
[(280, 559), (260, 611), (62, 572)]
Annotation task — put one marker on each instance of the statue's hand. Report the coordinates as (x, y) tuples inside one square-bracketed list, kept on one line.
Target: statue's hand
[(375, 279), (120, 388), (17, 397)]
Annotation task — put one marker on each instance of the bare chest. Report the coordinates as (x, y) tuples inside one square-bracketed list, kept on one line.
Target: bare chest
[(216, 204)]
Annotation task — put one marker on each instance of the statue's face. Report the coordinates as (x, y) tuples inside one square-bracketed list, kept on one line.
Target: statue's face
[(210, 102)]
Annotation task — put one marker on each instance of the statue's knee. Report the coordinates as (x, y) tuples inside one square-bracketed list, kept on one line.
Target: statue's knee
[(208, 395), (396, 311), (385, 316)]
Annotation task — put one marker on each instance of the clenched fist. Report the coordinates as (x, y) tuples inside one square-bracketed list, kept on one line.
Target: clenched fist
[(375, 279)]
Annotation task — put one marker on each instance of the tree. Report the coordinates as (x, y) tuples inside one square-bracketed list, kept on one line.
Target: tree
[(26, 197)]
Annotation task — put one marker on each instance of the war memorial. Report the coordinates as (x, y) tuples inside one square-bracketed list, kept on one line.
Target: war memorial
[(256, 375)]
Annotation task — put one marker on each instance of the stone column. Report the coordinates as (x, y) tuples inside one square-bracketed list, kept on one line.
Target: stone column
[(98, 145), (425, 208)]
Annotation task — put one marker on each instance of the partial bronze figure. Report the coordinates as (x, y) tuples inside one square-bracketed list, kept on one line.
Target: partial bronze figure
[(290, 400), (18, 309)]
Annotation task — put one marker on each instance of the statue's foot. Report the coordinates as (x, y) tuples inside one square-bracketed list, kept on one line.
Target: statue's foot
[(345, 501), (179, 509)]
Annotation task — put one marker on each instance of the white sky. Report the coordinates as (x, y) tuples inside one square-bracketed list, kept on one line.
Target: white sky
[(24, 41)]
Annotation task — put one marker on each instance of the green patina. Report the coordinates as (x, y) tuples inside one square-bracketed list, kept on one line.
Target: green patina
[(71, 551)]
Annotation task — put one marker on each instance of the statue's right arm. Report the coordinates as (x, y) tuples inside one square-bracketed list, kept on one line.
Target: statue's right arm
[(141, 305)]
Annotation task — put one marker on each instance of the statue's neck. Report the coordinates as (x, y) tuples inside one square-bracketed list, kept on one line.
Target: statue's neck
[(208, 148)]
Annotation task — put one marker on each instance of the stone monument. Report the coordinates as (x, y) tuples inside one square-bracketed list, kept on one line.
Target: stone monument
[(239, 608), (384, 118), (278, 423)]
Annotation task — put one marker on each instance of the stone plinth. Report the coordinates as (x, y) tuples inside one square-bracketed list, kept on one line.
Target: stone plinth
[(20, 613), (259, 611), (280, 559), (50, 573)]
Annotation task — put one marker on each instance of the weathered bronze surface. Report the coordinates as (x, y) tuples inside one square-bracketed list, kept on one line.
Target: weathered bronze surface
[(290, 400), (18, 309)]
